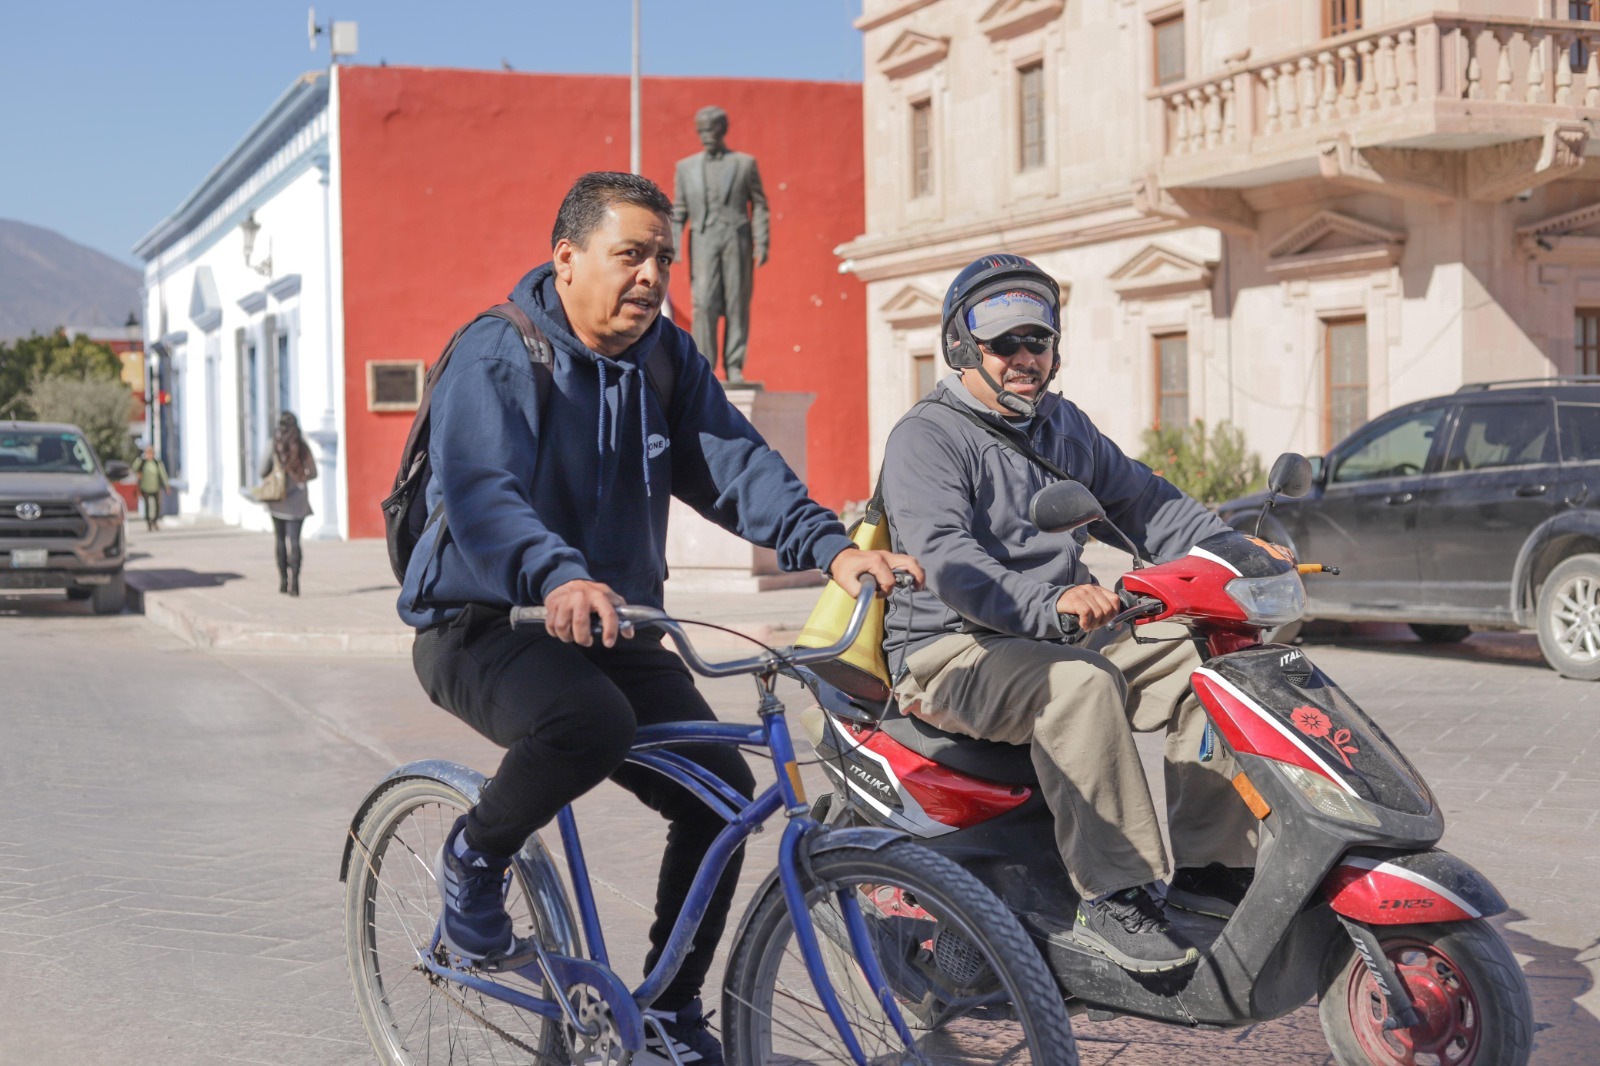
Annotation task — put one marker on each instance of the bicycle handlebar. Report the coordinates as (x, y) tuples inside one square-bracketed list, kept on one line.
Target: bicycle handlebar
[(653, 616)]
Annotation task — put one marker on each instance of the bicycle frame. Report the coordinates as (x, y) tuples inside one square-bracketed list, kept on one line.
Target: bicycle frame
[(744, 817)]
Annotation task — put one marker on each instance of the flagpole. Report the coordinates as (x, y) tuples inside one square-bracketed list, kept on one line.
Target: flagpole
[(633, 131)]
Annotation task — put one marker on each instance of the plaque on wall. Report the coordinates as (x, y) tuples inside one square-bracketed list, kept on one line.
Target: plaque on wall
[(394, 385)]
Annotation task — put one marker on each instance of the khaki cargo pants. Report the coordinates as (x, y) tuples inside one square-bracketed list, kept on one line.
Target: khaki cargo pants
[(1079, 707)]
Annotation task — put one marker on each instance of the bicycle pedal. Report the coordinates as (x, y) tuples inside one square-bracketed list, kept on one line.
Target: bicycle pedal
[(523, 954)]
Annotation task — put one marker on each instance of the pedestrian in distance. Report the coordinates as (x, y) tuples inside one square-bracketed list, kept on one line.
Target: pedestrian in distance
[(292, 455), (152, 475), (564, 503)]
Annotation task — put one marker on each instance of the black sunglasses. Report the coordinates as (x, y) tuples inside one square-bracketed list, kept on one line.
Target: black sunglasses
[(1006, 345)]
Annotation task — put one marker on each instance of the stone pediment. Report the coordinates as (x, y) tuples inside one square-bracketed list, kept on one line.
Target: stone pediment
[(911, 307), (1333, 243), (1158, 270), (1008, 18), (205, 307), (1570, 237), (911, 52)]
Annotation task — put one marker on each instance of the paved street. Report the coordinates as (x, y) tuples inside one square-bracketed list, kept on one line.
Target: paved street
[(174, 819)]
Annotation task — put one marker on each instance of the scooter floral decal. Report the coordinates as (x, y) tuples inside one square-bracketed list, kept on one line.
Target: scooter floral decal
[(1313, 723)]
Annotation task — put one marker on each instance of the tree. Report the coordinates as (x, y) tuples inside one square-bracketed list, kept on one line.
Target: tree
[(1211, 468), (34, 357), (97, 406)]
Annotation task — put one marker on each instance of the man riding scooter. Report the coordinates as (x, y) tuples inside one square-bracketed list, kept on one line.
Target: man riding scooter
[(985, 648)]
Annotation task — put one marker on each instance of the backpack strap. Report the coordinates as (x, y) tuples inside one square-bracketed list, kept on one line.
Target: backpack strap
[(540, 357), (1010, 438)]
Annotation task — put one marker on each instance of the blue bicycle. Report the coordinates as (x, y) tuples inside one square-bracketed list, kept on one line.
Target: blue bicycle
[(861, 947)]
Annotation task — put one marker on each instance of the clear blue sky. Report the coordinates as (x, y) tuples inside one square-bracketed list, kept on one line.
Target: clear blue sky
[(112, 113)]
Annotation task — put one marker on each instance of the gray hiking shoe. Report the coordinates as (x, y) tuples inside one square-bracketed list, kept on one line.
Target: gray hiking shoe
[(1131, 929)]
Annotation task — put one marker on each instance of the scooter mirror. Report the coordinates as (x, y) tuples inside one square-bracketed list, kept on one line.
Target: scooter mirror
[(1290, 476), (1064, 506)]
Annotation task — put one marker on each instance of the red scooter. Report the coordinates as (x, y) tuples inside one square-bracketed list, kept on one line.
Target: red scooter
[(1350, 902)]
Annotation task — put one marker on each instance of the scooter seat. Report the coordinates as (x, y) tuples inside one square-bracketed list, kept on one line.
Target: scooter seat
[(1007, 764)]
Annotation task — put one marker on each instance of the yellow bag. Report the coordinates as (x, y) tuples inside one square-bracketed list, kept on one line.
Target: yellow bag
[(862, 671)]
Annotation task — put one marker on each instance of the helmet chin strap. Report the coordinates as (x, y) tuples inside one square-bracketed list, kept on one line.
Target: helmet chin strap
[(1005, 397)]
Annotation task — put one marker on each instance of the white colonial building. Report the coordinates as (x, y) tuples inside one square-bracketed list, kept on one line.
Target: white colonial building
[(242, 315), (1289, 214)]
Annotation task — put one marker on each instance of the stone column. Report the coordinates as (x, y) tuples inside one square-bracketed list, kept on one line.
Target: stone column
[(702, 557)]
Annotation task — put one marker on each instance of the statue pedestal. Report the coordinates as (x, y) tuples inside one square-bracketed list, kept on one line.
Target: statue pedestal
[(702, 557)]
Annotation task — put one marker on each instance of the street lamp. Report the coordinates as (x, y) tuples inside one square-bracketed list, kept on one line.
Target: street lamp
[(249, 229)]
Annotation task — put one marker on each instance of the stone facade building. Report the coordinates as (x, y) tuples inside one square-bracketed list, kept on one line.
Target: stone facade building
[(1289, 215)]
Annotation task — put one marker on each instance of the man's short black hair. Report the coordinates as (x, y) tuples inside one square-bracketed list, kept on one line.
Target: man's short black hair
[(585, 205)]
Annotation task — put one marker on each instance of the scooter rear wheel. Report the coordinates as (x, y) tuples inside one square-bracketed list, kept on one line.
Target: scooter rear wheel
[(1468, 991)]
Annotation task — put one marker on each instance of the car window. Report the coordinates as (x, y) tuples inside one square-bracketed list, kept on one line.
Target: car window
[(1580, 432), (1491, 435), (36, 452), (1394, 449)]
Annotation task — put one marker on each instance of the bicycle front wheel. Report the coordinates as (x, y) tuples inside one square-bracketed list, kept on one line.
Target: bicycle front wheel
[(969, 983), (391, 908)]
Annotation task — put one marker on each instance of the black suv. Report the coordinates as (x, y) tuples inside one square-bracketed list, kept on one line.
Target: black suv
[(61, 524), (1481, 508)]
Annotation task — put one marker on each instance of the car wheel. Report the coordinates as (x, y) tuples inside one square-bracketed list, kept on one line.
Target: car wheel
[(79, 593), (1569, 618), (1437, 634), (109, 598)]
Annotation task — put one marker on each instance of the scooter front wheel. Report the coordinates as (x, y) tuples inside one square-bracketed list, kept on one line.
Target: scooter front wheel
[(1468, 990)]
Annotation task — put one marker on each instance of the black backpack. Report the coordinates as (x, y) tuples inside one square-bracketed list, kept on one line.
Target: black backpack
[(404, 517)]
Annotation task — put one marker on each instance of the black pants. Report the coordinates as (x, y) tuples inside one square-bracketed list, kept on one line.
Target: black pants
[(152, 508), (286, 538), (566, 716)]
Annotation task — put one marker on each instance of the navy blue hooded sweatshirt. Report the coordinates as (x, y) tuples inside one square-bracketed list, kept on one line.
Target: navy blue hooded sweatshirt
[(579, 490)]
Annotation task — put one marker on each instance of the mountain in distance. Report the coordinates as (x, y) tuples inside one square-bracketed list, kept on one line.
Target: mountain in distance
[(48, 281)]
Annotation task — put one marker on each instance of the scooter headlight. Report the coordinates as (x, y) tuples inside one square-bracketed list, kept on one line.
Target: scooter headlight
[(1269, 601), (1327, 797)]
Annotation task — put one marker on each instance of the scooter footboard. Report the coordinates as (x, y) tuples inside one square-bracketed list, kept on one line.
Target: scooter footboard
[(1402, 888)]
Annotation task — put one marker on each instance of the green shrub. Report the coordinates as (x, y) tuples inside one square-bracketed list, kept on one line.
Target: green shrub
[(98, 406), (1211, 467)]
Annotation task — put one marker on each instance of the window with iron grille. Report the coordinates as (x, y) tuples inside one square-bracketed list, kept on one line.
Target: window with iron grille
[(921, 148), (1030, 112), (1345, 382), (1168, 34), (1586, 331), (1172, 380)]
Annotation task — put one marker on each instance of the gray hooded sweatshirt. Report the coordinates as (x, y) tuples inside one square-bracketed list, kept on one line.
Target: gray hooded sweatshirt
[(957, 499)]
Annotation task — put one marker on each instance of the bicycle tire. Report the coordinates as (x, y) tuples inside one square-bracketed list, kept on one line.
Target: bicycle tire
[(770, 1008), (391, 908)]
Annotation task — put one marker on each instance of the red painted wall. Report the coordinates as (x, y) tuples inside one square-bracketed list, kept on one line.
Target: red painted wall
[(451, 180)]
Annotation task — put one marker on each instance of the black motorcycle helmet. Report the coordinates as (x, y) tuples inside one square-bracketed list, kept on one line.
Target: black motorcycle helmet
[(979, 280)]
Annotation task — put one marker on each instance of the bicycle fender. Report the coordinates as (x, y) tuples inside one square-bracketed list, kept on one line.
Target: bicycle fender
[(463, 779), (872, 838), (1389, 888)]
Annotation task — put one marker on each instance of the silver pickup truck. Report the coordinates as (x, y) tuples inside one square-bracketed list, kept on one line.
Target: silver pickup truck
[(61, 523)]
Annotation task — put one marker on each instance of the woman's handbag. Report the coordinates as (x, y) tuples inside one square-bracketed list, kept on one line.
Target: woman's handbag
[(862, 671), (273, 487)]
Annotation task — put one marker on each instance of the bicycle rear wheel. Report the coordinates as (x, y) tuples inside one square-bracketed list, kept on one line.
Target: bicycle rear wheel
[(969, 982), (391, 908)]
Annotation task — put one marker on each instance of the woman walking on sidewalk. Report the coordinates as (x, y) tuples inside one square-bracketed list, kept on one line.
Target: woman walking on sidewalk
[(292, 455)]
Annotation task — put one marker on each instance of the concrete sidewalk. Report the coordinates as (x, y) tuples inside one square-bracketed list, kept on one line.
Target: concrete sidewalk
[(217, 587)]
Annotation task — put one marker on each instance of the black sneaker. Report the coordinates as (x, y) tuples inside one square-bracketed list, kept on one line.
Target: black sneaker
[(689, 1029), (1214, 890), (475, 924), (1131, 929)]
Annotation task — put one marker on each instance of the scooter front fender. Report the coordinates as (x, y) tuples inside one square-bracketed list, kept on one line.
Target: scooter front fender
[(1404, 888)]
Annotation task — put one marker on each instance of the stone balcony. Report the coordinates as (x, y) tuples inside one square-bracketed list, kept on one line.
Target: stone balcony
[(1436, 107)]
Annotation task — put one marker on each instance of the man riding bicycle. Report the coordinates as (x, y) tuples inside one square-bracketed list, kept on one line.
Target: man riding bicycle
[(984, 646), (564, 504)]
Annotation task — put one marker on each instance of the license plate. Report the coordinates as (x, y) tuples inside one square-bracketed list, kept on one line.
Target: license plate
[(25, 557)]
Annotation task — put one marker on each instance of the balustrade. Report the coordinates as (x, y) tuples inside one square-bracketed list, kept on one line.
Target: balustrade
[(1540, 62)]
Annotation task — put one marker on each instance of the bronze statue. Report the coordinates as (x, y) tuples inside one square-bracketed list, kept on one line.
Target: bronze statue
[(718, 193)]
